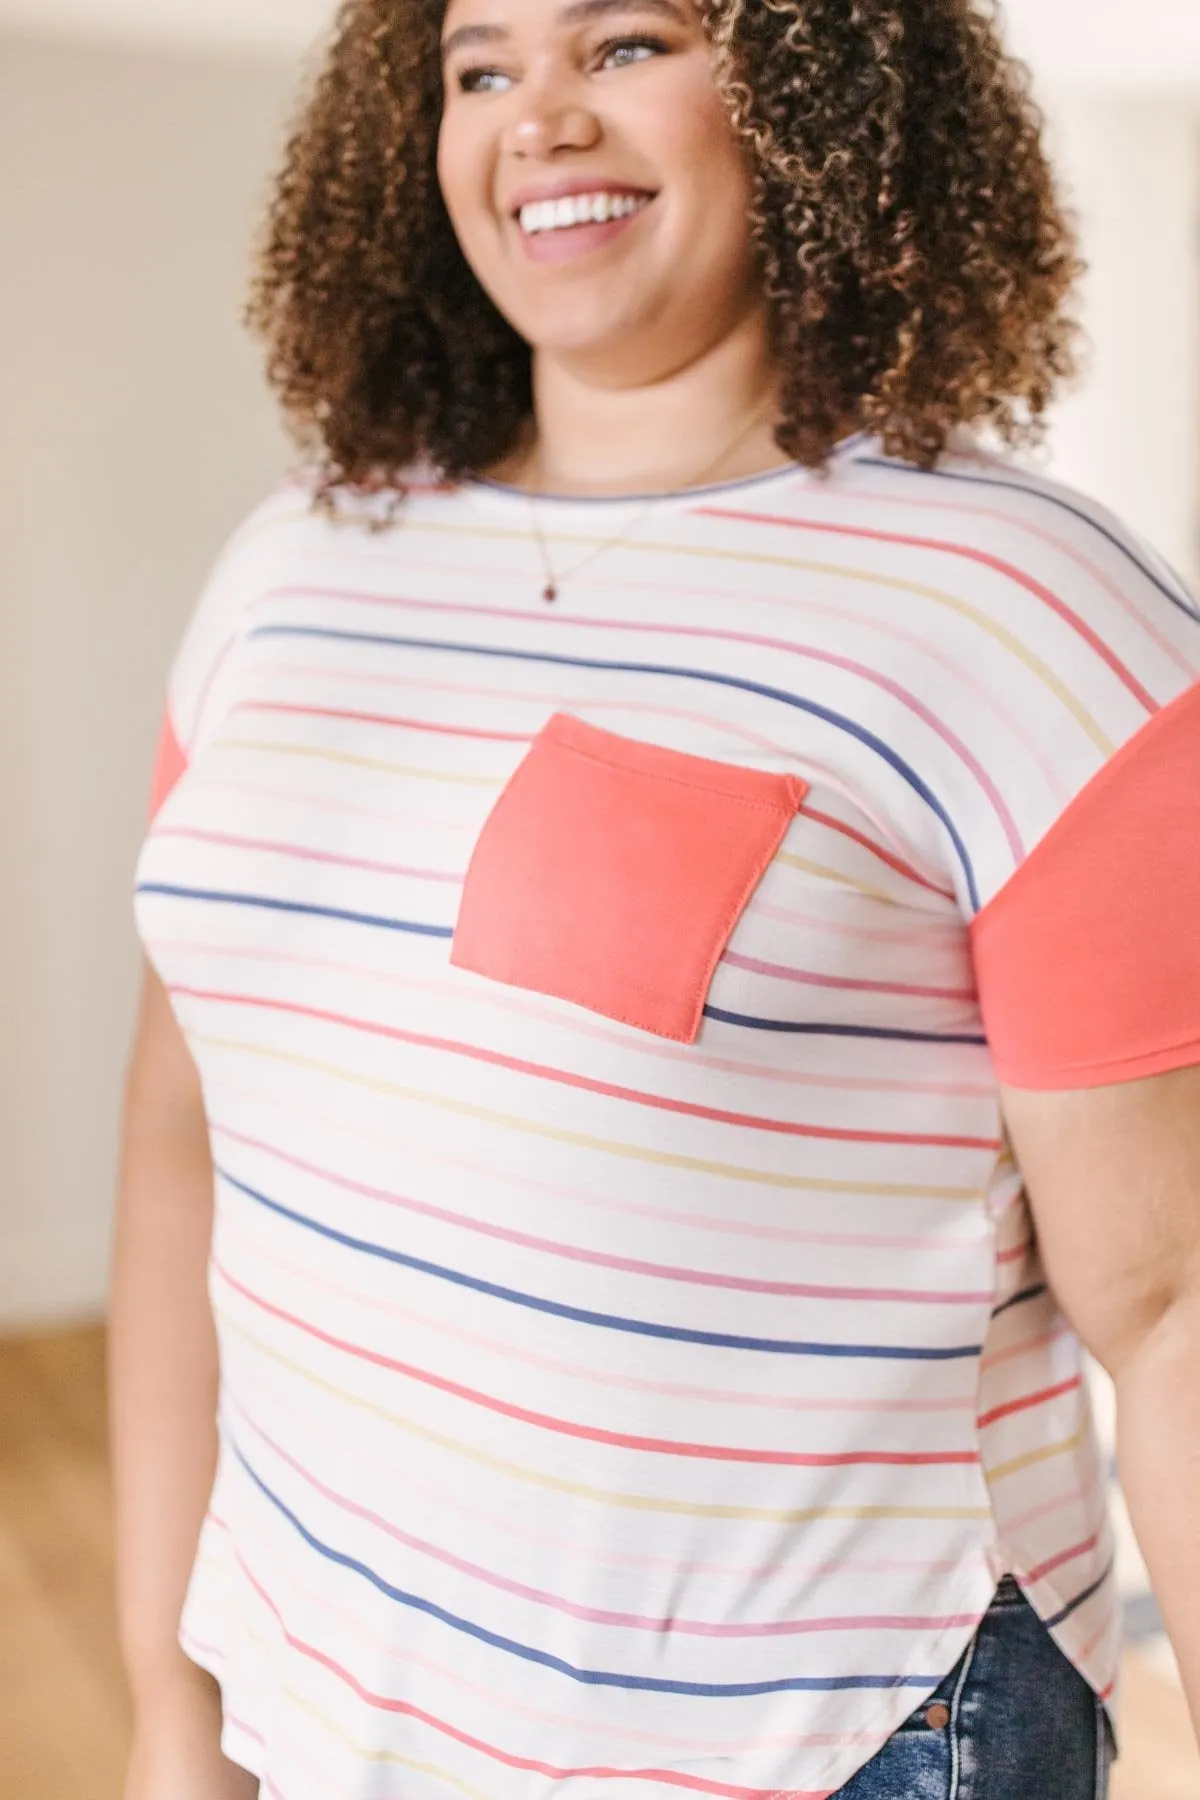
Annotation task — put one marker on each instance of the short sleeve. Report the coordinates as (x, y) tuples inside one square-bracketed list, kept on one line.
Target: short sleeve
[(194, 700), (1079, 830), (1088, 959)]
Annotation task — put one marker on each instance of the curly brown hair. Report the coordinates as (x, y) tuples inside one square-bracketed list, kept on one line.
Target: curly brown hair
[(915, 258)]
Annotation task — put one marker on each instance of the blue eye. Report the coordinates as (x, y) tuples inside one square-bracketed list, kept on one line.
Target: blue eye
[(482, 81), (645, 47), (617, 53)]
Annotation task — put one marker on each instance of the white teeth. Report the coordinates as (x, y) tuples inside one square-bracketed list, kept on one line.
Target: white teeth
[(579, 209)]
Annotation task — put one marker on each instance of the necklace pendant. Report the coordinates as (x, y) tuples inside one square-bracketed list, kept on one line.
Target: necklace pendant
[(550, 593)]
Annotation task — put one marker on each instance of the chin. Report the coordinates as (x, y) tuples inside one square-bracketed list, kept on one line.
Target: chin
[(590, 331)]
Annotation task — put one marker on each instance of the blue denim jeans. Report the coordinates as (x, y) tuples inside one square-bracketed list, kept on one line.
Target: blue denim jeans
[(1013, 1721)]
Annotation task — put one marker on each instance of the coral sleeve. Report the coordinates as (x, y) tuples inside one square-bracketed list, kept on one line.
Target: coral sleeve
[(1088, 958), (170, 763)]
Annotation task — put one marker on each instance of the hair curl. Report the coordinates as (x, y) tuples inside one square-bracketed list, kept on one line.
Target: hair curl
[(915, 258)]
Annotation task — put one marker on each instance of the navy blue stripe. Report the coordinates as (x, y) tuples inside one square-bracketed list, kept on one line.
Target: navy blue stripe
[(1179, 599), (269, 904), (447, 931), (854, 1031), (652, 1684), (1029, 1293), (712, 676), (1080, 1599), (607, 1321)]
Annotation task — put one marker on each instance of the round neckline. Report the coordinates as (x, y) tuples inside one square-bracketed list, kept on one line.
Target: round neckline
[(505, 490)]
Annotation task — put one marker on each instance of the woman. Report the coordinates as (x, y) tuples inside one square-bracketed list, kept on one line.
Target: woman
[(672, 925)]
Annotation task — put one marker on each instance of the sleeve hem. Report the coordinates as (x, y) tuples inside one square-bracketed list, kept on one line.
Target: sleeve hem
[(1110, 1072)]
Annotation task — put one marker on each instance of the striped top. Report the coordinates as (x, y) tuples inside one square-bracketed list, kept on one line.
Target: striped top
[(637, 1371)]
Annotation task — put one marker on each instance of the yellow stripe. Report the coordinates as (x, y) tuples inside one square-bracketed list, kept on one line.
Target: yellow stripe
[(713, 553), (664, 1158), (1036, 1456), (383, 1756), (827, 874), (358, 762), (691, 1509), (894, 583)]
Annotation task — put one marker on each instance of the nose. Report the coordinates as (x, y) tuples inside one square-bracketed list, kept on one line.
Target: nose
[(550, 117)]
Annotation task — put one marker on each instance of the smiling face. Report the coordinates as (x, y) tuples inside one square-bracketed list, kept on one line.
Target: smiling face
[(594, 180)]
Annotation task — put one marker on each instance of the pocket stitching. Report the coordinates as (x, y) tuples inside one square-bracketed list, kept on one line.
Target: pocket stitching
[(782, 812), (696, 785)]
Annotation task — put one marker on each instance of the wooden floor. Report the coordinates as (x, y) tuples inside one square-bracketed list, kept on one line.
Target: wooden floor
[(64, 1715)]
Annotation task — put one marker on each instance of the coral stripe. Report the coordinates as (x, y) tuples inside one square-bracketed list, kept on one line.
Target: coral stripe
[(828, 658), (985, 559), (650, 1503), (726, 1453), (1041, 1398), (660, 1626), (611, 1090)]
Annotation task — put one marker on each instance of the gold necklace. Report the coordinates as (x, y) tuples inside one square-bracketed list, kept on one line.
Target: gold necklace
[(554, 580)]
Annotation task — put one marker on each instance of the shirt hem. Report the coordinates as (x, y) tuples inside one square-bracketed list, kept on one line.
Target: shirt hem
[(237, 1744)]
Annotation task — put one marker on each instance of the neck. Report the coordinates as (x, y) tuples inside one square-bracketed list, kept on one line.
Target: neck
[(709, 420)]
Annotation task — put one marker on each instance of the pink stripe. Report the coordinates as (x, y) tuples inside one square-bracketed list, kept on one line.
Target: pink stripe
[(510, 1522), (1067, 549), (662, 1626), (1026, 1347), (405, 1709), (202, 781), (690, 1747), (885, 856), (730, 728), (961, 674), (592, 1434), (983, 557), (610, 1090), (826, 657), (843, 982), (502, 1000), (1075, 1496), (307, 855), (365, 718), (440, 1327), (946, 938), (558, 1193), (628, 1265)]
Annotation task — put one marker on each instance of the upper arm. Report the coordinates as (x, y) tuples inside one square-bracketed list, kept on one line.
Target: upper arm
[(163, 1095), (1113, 1179)]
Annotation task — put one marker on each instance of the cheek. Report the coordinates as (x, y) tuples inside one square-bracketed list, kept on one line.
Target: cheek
[(693, 142), (462, 177)]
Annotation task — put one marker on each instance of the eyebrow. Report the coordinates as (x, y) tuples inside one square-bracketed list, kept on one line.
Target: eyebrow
[(576, 12)]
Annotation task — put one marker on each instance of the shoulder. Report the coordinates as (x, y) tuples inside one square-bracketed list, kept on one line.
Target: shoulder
[(1077, 588)]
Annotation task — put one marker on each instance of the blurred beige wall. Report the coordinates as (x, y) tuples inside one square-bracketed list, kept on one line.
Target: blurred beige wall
[(133, 433), (1130, 436)]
